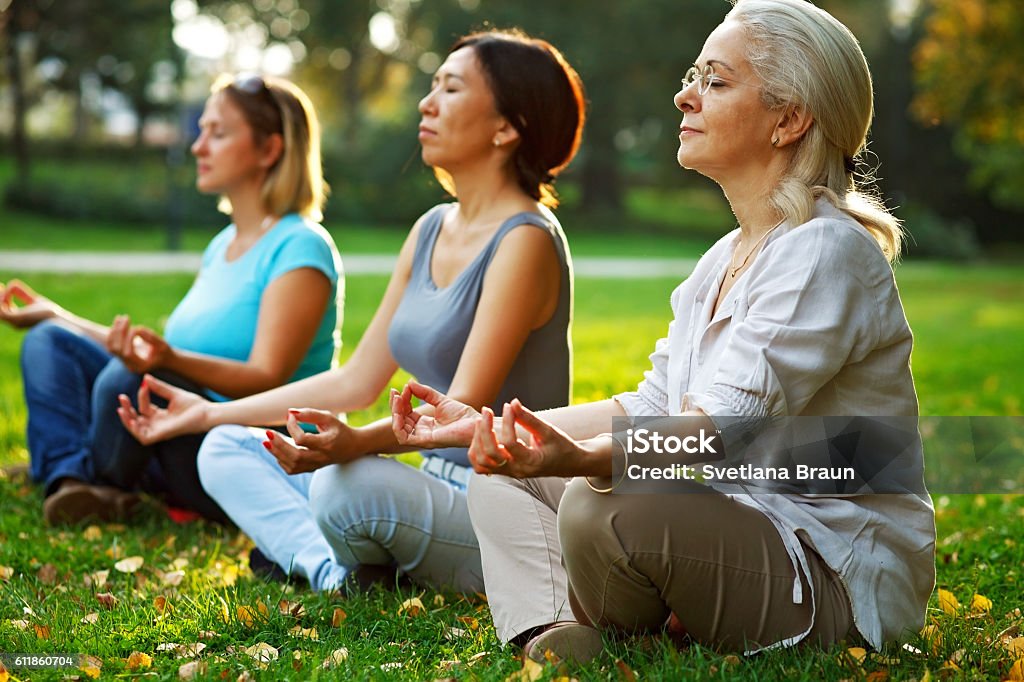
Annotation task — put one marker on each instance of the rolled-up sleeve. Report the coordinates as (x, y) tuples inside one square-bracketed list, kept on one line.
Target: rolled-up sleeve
[(807, 314)]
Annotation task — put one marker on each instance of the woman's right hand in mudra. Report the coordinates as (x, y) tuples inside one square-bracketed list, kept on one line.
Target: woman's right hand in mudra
[(450, 425), (185, 412)]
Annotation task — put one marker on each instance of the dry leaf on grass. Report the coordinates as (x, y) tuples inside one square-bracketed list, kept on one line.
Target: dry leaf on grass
[(337, 657), (857, 654), (1016, 671), (261, 652), (139, 661), (948, 603), (308, 633), (106, 600), (6, 573), (412, 607), (338, 617), (173, 578), (47, 574), (129, 564), (250, 615), (625, 673), (980, 604), (90, 618), (19, 624), (161, 605), (191, 669), (531, 671), (42, 631), (92, 533)]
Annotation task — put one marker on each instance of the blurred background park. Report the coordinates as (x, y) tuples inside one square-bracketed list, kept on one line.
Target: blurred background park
[(99, 102)]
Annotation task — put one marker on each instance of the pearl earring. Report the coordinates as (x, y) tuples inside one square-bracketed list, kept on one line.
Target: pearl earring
[(497, 142)]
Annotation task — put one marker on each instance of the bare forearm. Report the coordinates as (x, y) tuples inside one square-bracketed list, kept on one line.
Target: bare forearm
[(228, 377), (333, 391), (95, 331)]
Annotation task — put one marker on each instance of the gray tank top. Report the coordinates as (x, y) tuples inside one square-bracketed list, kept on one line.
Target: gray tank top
[(431, 325)]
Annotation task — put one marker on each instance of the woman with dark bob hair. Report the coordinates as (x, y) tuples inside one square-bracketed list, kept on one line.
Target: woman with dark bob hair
[(503, 117), (793, 315)]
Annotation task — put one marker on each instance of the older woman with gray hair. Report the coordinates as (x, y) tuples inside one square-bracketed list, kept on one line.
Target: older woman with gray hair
[(793, 314)]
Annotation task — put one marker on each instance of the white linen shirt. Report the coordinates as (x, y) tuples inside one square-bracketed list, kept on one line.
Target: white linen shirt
[(814, 327)]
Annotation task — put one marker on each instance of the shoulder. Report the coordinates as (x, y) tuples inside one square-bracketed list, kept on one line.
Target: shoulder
[(832, 241)]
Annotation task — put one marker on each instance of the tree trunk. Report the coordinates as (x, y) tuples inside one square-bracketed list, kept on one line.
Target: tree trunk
[(19, 137)]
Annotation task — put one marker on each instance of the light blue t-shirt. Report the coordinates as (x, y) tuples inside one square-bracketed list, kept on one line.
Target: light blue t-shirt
[(219, 313)]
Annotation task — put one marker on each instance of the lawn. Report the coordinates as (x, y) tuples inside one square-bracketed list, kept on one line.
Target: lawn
[(66, 591)]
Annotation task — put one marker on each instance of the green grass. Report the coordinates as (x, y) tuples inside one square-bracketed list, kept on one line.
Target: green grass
[(967, 361), (28, 231)]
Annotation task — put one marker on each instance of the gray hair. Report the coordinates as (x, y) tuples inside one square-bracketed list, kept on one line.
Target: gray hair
[(804, 56)]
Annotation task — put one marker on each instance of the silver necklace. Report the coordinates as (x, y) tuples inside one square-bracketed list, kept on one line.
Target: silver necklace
[(733, 269)]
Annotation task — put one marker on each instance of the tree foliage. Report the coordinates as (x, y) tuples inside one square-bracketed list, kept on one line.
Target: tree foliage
[(967, 68)]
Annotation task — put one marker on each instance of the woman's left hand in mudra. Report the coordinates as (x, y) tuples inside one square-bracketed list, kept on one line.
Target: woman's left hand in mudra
[(536, 448), (333, 443)]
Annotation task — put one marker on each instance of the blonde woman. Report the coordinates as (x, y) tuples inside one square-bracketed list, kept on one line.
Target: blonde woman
[(263, 311), (795, 313)]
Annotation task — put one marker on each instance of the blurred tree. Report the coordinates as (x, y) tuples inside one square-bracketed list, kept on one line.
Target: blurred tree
[(967, 67)]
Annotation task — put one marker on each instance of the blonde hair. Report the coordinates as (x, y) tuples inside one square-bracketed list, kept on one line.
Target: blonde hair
[(295, 183), (804, 56)]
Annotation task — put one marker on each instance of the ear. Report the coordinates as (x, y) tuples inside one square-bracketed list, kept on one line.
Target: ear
[(273, 148), (505, 134), (792, 126)]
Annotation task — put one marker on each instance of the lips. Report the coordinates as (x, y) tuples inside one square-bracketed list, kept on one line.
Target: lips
[(426, 132)]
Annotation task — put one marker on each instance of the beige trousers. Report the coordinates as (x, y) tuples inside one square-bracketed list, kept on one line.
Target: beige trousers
[(629, 561)]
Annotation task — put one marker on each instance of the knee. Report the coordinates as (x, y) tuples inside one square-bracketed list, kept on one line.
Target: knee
[(217, 458), (585, 523), (41, 341), (481, 495), (335, 492)]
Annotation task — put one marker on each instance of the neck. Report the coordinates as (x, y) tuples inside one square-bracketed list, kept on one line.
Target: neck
[(483, 194), (748, 195), (248, 212)]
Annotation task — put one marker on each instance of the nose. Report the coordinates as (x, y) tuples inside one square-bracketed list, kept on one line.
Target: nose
[(687, 99), (427, 103), (199, 145)]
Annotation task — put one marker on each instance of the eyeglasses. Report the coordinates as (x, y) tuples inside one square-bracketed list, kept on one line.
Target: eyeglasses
[(703, 77)]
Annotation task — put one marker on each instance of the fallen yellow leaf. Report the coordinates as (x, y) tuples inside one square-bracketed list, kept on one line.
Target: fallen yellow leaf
[(470, 621), (338, 617), (337, 657), (948, 603), (531, 671), (1014, 645), (42, 631), (980, 604), (90, 671), (308, 633), (4, 675), (1017, 671), (92, 533), (161, 605), (261, 652), (5, 573), (90, 618), (857, 653), (139, 661), (129, 564), (411, 607)]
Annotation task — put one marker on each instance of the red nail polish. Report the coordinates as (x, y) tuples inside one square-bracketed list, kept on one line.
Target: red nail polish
[(270, 435), (267, 445)]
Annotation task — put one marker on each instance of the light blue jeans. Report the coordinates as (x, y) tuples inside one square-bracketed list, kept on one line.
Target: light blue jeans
[(374, 510)]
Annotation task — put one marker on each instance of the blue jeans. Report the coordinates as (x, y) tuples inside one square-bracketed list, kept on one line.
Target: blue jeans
[(71, 389), (375, 511)]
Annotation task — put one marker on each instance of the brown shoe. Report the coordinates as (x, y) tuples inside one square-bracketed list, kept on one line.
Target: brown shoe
[(76, 501), (566, 641)]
